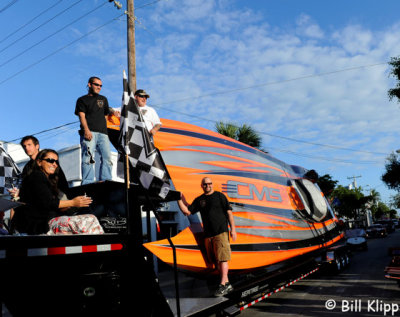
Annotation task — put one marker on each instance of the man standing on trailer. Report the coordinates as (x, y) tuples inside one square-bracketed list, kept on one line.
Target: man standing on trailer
[(91, 110), (150, 116), (216, 213)]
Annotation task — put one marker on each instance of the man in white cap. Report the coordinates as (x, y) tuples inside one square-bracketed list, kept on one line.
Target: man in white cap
[(150, 116)]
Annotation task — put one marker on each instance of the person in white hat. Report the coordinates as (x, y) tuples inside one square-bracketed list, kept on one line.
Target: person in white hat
[(150, 116)]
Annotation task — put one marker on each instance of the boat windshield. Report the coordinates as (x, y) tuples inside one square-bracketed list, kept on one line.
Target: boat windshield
[(355, 233)]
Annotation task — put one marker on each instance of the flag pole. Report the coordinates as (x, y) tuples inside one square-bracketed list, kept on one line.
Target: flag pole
[(131, 86), (127, 181), (126, 150)]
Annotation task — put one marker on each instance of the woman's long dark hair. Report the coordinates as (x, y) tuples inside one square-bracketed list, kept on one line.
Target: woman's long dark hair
[(53, 178)]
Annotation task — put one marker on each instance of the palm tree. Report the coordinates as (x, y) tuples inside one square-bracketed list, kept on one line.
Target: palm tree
[(248, 135), (244, 133), (227, 129)]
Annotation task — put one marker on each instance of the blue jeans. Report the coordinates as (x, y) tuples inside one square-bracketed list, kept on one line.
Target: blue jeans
[(100, 143)]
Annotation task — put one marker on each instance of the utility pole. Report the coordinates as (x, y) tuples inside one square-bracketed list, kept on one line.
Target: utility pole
[(131, 45), (354, 180)]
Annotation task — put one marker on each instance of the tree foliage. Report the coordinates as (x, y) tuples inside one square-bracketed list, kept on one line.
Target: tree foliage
[(350, 202), (380, 210), (227, 129), (395, 72), (244, 133), (392, 175), (326, 184), (395, 201)]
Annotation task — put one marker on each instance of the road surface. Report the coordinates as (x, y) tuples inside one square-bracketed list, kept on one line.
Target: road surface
[(359, 290)]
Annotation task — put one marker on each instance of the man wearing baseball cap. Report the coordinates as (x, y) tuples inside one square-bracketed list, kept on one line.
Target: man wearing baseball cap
[(150, 116)]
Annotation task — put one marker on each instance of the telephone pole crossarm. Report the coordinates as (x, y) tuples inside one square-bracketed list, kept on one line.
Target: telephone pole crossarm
[(354, 180)]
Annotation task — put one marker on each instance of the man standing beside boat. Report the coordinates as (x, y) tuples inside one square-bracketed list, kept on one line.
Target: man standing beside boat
[(216, 213)]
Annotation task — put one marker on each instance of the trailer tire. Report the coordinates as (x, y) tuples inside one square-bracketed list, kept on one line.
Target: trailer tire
[(346, 259), (337, 264)]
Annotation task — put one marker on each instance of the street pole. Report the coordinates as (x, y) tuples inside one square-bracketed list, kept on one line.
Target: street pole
[(354, 180), (131, 45)]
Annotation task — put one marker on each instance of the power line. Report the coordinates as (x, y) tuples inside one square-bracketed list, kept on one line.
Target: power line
[(271, 83), (225, 92), (275, 135), (274, 83), (49, 36), (321, 144), (44, 131), (205, 119), (7, 6), (58, 50), (29, 22), (69, 126), (148, 4), (41, 25), (322, 158)]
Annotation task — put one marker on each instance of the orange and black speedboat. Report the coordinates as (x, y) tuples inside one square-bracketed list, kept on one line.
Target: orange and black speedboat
[(279, 214)]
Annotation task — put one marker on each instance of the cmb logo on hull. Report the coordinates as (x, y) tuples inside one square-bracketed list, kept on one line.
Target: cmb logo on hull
[(250, 191)]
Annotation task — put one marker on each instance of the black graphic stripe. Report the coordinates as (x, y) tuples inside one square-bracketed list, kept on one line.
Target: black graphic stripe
[(275, 246), (287, 213)]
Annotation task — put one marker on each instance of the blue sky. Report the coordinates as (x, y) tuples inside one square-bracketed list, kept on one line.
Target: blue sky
[(311, 76)]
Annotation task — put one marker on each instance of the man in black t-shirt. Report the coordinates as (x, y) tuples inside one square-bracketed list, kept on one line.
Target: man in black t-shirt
[(216, 214), (91, 110)]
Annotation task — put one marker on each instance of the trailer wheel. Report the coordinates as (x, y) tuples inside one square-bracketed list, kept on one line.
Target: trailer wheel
[(346, 259), (343, 261), (338, 264)]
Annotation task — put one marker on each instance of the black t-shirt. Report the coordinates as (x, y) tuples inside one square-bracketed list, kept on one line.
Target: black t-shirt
[(41, 204), (213, 209), (95, 108)]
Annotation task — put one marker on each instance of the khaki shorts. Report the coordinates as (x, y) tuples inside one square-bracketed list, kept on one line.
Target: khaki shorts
[(218, 248)]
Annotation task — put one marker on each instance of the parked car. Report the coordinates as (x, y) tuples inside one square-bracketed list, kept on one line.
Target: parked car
[(388, 224), (376, 231), (356, 238)]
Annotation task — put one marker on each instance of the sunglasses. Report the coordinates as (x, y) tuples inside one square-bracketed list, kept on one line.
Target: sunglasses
[(50, 160), (207, 184), (97, 85)]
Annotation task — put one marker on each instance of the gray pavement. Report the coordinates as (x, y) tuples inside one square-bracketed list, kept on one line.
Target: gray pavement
[(359, 290)]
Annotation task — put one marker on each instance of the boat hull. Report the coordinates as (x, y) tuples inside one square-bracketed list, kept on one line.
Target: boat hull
[(274, 221)]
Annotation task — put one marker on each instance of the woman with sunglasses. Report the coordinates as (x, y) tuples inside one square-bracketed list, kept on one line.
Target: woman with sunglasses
[(41, 195)]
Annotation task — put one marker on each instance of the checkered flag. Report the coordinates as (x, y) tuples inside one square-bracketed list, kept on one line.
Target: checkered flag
[(9, 172), (135, 141)]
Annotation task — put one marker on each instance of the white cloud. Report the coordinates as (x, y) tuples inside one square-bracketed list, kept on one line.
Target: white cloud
[(307, 28), (354, 39)]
